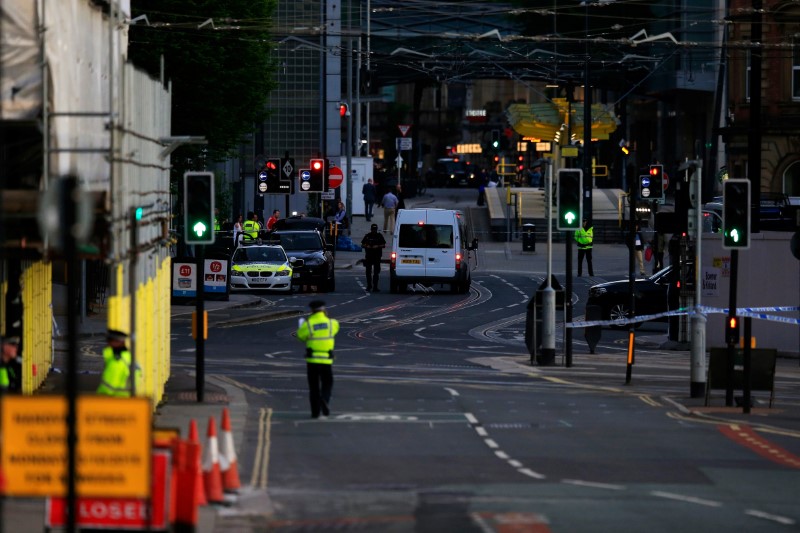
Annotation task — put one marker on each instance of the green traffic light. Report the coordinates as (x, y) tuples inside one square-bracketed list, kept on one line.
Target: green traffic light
[(570, 217), (735, 235), (139, 212), (200, 229)]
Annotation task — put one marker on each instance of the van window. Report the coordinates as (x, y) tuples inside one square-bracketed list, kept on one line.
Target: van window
[(428, 236)]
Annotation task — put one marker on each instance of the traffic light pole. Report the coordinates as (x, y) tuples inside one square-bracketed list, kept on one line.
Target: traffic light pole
[(200, 326), (549, 294), (731, 315)]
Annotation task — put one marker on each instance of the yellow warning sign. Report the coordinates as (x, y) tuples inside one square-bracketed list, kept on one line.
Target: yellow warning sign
[(112, 452)]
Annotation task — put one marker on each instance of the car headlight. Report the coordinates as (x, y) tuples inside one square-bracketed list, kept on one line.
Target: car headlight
[(237, 274), (597, 291), (283, 273), (315, 261)]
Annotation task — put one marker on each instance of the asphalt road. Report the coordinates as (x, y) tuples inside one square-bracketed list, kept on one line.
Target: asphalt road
[(439, 423)]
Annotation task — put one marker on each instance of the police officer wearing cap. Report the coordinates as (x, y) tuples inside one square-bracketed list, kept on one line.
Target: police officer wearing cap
[(115, 380), (10, 367), (318, 332), (373, 244)]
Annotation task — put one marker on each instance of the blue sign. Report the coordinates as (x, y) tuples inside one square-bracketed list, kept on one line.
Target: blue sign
[(645, 181), (305, 175), (262, 176)]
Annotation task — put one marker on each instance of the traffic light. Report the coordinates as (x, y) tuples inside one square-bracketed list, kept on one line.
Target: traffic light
[(269, 179), (198, 207), (656, 182), (495, 139), (732, 330), (570, 196), (318, 181), (736, 214), (344, 110)]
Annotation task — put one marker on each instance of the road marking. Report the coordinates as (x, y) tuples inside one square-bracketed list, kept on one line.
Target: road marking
[(773, 517), (683, 498), (258, 476), (500, 454), (747, 437), (593, 484), (452, 392)]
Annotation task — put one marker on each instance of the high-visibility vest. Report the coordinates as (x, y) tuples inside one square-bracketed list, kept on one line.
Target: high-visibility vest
[(251, 228), (115, 380), (584, 238), (318, 332), (5, 382)]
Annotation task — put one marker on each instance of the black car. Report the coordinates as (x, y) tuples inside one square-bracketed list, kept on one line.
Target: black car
[(453, 173), (317, 255), (650, 295)]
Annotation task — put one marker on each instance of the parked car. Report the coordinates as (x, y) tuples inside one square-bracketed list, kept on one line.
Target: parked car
[(776, 212), (262, 266), (650, 295), (317, 255)]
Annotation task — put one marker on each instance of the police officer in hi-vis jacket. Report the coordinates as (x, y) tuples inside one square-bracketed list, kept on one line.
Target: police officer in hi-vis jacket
[(318, 332)]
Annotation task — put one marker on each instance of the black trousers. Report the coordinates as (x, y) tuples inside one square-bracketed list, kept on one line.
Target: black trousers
[(320, 387), (373, 271), (585, 252)]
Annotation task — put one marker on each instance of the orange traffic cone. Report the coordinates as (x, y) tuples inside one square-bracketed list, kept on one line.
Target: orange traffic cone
[(212, 476), (227, 456), (194, 437)]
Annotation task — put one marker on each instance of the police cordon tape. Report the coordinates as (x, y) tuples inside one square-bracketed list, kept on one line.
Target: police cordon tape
[(754, 312)]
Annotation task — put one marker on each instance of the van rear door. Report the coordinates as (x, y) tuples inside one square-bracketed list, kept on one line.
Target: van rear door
[(427, 241), (441, 234)]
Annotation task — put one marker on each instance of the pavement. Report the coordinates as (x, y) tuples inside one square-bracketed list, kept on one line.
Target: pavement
[(180, 406)]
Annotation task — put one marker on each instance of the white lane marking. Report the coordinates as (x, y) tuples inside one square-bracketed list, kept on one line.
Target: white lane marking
[(452, 392), (773, 517), (531, 473), (684, 498), (592, 484), (500, 454)]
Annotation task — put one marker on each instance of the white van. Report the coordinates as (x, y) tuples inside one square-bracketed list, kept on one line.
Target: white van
[(431, 246)]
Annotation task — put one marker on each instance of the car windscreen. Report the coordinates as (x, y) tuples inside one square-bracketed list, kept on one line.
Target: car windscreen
[(426, 236), (267, 255), (301, 242)]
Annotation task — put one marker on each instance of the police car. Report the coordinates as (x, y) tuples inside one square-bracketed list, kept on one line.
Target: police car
[(262, 266)]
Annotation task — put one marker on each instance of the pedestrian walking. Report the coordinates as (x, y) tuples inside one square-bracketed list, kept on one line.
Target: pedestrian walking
[(318, 333), (389, 204), (373, 244), (659, 243), (237, 229), (638, 249), (370, 196), (584, 236), (401, 199), (276, 215), (115, 380), (10, 367)]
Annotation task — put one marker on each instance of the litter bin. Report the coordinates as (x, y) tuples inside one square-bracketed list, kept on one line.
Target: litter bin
[(529, 237)]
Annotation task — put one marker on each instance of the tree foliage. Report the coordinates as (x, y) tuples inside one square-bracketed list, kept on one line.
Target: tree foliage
[(221, 73)]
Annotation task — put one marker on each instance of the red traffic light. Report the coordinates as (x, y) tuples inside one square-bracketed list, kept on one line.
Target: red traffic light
[(733, 322), (344, 110), (316, 164), (271, 165), (654, 171)]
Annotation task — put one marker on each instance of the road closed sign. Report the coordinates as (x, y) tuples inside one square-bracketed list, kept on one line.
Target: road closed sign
[(112, 453)]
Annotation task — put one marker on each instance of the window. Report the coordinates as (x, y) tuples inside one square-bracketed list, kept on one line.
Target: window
[(429, 236), (795, 71), (791, 178)]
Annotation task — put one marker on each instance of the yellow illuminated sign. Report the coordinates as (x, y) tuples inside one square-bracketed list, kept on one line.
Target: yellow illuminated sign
[(112, 453)]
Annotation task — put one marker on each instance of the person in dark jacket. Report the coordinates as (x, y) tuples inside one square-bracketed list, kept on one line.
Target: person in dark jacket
[(370, 196), (373, 244)]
